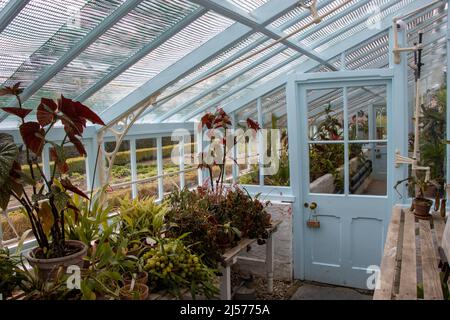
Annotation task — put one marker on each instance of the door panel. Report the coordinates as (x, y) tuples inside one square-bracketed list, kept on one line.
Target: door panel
[(344, 151)]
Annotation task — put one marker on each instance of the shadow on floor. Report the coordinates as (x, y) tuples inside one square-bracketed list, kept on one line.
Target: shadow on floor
[(316, 291)]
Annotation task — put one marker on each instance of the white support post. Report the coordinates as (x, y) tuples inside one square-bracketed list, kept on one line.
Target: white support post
[(94, 166), (199, 147), (89, 164), (343, 60), (346, 145), (372, 122), (270, 262), (133, 164), (160, 164), (46, 169), (46, 161), (235, 166), (398, 134), (261, 143), (181, 164), (225, 283)]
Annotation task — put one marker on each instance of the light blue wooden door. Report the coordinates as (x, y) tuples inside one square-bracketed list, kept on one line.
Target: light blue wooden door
[(345, 158)]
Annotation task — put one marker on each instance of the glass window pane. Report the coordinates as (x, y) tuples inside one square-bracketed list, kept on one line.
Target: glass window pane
[(190, 167), (368, 168), (247, 148), (325, 114), (170, 166), (367, 113), (380, 123), (121, 172), (326, 168), (146, 167), (274, 111)]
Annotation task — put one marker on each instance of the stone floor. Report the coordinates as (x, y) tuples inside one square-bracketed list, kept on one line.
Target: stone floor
[(315, 291), (376, 188)]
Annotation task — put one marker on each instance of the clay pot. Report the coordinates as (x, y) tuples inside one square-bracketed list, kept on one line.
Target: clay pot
[(430, 192), (422, 208), (48, 268), (142, 277), (142, 289)]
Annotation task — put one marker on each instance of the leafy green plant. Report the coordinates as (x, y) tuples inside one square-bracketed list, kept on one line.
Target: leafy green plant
[(417, 182), (432, 136), (142, 218), (189, 216), (87, 219)]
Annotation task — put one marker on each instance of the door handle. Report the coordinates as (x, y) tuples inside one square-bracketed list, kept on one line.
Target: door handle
[(312, 205)]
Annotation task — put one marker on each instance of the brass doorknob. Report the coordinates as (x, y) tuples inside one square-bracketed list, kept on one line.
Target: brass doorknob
[(312, 206)]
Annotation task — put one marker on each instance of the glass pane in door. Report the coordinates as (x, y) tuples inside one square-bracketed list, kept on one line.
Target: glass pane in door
[(325, 114), (368, 168), (366, 107), (326, 168), (326, 135)]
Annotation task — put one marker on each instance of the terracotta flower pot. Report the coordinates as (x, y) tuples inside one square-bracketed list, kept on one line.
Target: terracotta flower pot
[(142, 277), (430, 192), (48, 268), (141, 289), (422, 208)]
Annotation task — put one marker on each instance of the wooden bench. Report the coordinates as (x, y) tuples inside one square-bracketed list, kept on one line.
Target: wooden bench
[(413, 265), (231, 255)]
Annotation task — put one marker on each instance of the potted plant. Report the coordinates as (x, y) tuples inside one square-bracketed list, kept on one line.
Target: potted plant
[(49, 199), (136, 272), (87, 219), (173, 266), (138, 291), (140, 221), (420, 205)]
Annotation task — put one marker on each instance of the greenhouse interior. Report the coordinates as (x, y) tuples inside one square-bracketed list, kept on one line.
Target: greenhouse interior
[(224, 150)]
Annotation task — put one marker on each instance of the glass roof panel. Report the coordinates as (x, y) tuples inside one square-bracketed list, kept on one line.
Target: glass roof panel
[(391, 6), (221, 78), (255, 72), (43, 31), (248, 5), (141, 26), (184, 42), (30, 30), (3, 4)]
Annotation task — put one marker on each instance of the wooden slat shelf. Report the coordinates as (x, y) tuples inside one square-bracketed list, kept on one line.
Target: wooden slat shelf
[(411, 258)]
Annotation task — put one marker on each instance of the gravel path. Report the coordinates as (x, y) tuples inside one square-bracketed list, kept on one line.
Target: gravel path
[(282, 290)]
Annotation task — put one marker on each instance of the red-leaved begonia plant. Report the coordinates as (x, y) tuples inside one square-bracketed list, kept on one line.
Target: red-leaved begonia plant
[(45, 198), (218, 124)]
